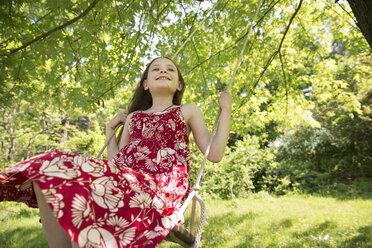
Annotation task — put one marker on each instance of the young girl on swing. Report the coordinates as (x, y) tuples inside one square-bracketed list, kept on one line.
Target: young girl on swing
[(133, 198)]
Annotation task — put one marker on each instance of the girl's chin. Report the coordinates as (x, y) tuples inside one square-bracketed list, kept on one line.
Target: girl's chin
[(163, 84), (163, 89), (163, 81)]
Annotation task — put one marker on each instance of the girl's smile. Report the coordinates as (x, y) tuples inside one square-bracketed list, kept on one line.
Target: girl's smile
[(163, 78)]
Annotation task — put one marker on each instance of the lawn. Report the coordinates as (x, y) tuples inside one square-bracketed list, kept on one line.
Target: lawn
[(261, 220)]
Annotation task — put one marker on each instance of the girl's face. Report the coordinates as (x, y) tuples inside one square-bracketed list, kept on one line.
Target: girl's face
[(162, 76)]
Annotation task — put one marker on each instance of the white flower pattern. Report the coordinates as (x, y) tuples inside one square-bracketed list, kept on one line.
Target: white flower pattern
[(92, 236), (80, 210), (58, 167), (118, 222), (127, 236), (140, 200), (165, 157), (106, 193), (55, 200), (94, 168)]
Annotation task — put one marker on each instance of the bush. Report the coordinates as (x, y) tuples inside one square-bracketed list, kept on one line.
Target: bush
[(318, 157), (245, 168)]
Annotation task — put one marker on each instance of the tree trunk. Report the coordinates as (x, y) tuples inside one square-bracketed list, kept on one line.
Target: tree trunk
[(64, 134), (362, 10), (12, 149)]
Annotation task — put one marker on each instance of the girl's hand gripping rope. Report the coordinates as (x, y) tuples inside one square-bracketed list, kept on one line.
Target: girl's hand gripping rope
[(112, 147), (225, 101), (118, 119)]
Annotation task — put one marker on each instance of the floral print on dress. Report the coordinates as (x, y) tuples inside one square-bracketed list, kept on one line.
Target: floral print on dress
[(132, 201)]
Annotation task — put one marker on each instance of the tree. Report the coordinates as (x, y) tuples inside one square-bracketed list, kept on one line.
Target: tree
[(362, 11)]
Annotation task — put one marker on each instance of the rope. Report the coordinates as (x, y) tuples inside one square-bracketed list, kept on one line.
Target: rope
[(192, 217), (201, 221), (108, 141), (228, 88), (194, 194)]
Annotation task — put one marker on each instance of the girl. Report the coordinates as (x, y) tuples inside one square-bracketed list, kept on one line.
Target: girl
[(133, 199)]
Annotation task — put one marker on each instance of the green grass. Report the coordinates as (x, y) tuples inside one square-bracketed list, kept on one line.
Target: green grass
[(288, 221), (20, 227), (258, 221)]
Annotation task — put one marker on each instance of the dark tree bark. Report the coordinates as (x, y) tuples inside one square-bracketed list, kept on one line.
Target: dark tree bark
[(64, 134), (362, 10)]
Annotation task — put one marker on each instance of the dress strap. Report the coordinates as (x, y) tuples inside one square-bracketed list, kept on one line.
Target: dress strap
[(167, 107)]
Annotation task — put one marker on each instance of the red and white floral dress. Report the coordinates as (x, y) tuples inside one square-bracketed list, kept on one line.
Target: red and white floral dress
[(131, 201)]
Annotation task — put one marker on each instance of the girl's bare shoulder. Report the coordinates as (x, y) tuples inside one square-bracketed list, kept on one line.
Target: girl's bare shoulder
[(189, 110), (189, 106), (129, 117)]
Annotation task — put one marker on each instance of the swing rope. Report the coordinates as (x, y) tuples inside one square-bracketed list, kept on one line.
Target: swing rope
[(108, 141), (194, 194), (228, 88)]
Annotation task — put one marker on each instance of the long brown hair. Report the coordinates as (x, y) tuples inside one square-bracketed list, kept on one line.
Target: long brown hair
[(142, 99)]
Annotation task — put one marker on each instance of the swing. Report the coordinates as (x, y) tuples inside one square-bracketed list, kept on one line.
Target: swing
[(179, 234)]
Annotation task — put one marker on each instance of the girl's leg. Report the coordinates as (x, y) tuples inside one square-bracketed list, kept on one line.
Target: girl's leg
[(54, 233)]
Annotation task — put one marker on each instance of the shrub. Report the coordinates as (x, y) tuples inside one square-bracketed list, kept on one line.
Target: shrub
[(245, 168)]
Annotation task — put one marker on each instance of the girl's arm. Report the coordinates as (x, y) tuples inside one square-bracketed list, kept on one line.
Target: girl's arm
[(112, 147), (195, 120), (125, 135)]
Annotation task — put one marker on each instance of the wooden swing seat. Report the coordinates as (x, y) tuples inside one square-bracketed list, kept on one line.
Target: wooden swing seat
[(181, 236)]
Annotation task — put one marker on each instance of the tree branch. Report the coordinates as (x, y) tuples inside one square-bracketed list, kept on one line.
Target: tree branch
[(119, 14), (140, 26), (362, 11), (10, 12), (268, 63), (198, 58), (285, 81), (46, 34), (41, 18), (77, 58), (347, 12), (20, 65), (237, 41), (156, 21)]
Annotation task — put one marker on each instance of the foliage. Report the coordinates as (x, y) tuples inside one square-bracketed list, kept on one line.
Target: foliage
[(245, 169), (340, 148), (58, 92)]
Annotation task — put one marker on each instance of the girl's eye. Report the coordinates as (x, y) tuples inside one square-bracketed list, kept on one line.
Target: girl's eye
[(155, 69), (170, 69)]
